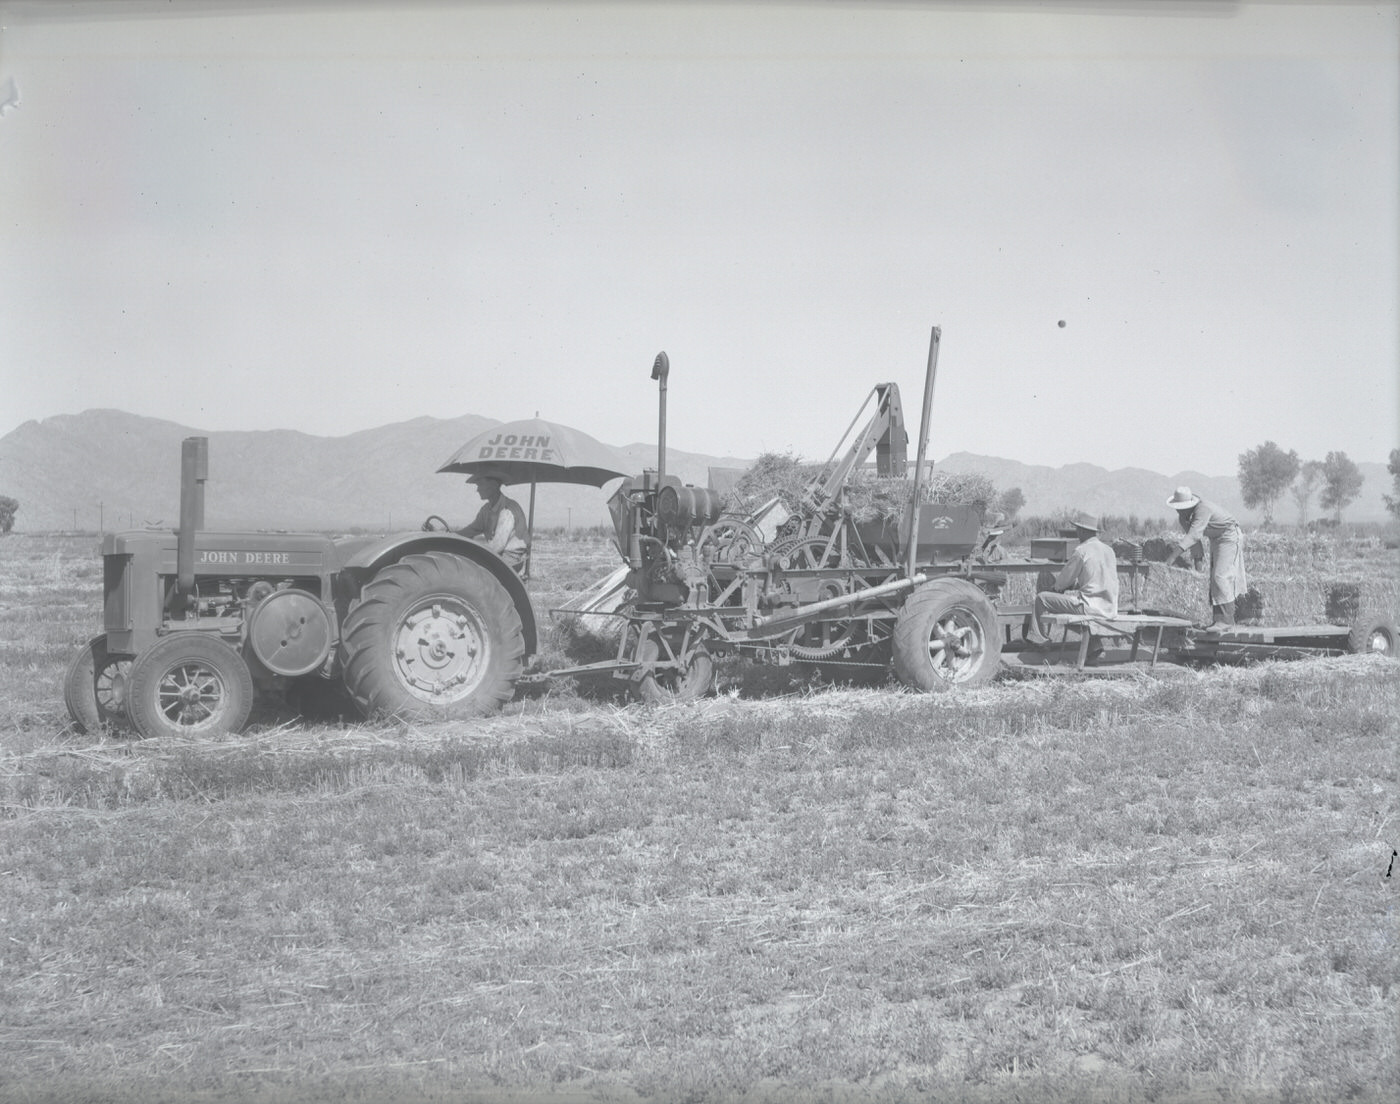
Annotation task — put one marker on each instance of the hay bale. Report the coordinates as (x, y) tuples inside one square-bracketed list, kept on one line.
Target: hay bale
[(1249, 606), (1343, 602), (1158, 550)]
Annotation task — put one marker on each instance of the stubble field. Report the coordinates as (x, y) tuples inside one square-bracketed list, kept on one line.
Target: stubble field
[(1171, 888)]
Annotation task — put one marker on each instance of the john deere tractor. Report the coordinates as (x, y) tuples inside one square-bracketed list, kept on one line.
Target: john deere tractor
[(196, 624)]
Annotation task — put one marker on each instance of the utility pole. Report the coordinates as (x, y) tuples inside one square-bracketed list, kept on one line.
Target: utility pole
[(101, 518), (569, 531)]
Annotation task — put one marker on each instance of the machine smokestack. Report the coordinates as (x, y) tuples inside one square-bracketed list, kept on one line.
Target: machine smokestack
[(660, 369), (194, 470)]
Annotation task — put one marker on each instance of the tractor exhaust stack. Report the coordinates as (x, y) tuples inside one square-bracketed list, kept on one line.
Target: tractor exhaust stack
[(660, 369), (194, 470)]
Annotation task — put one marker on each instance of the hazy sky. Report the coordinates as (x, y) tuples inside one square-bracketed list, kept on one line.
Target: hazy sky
[(328, 217)]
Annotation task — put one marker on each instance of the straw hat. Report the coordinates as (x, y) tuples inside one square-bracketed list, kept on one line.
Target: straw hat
[(495, 474), (1086, 521), (1182, 499)]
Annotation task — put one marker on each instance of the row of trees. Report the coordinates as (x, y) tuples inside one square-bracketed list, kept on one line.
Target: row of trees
[(1267, 472)]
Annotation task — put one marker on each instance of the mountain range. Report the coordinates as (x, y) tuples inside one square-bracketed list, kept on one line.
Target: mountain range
[(114, 470)]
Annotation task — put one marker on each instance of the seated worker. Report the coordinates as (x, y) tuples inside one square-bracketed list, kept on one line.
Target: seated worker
[(1087, 584), (500, 523)]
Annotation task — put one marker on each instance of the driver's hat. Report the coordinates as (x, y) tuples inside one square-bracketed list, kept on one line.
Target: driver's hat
[(495, 474)]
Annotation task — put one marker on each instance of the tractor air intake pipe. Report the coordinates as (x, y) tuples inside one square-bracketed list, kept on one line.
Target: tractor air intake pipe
[(194, 470), (660, 369)]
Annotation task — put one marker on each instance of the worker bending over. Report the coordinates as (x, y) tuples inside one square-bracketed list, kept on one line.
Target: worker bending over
[(1199, 518)]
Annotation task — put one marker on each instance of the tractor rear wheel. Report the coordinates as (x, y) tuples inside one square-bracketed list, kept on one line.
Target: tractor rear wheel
[(946, 634), (95, 687), (189, 684), (432, 637)]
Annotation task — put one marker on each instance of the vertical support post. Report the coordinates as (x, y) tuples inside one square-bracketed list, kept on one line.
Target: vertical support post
[(194, 470), (660, 369), (530, 530), (912, 517)]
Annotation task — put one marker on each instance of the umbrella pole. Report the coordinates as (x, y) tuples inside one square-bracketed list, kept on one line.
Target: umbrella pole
[(530, 530)]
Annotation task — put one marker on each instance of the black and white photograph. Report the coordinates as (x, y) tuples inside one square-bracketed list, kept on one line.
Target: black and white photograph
[(707, 551)]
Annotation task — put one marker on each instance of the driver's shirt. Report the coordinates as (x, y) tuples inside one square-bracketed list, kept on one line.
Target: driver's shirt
[(499, 526)]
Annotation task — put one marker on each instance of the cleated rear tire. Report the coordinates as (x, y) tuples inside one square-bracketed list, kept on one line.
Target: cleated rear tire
[(432, 637)]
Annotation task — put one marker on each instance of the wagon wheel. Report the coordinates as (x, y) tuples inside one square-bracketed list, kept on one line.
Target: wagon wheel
[(1372, 633), (729, 540)]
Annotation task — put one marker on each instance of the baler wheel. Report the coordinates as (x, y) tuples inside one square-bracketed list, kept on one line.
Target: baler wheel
[(667, 686), (95, 688), (433, 636), (189, 684), (946, 634)]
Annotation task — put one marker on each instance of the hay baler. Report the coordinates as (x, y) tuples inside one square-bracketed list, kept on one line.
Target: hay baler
[(913, 594)]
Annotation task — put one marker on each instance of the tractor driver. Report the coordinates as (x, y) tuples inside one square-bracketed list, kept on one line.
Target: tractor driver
[(1087, 584), (500, 523)]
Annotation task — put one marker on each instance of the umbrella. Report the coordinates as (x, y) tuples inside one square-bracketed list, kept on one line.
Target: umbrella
[(536, 451)]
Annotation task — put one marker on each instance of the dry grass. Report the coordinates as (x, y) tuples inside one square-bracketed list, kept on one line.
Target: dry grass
[(1165, 888)]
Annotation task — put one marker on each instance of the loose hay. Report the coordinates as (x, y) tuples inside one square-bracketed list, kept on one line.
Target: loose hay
[(866, 495)]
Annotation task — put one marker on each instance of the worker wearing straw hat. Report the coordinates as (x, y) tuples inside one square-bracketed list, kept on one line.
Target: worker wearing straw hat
[(1199, 520), (500, 523), (1087, 584)]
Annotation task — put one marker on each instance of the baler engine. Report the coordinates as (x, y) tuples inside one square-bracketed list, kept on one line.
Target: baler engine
[(658, 521)]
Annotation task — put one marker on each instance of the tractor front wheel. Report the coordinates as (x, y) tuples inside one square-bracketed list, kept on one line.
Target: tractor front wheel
[(189, 684), (95, 688), (432, 637), (946, 634)]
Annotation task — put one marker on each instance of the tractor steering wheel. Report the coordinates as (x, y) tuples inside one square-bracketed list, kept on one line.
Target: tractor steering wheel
[(441, 526)]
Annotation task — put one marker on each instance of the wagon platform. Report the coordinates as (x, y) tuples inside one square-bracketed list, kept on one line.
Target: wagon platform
[(1141, 640)]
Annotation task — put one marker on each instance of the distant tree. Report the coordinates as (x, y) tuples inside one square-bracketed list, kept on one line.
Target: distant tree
[(1341, 483), (8, 508), (1010, 502), (1392, 502), (1304, 487), (1265, 473)]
